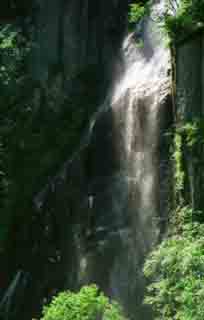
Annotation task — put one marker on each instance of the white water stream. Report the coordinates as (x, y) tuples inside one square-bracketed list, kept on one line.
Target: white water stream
[(123, 197)]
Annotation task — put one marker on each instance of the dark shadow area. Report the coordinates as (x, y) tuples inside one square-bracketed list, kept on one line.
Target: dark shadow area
[(41, 240)]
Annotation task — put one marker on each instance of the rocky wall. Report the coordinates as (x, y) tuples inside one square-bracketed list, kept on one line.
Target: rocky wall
[(190, 110)]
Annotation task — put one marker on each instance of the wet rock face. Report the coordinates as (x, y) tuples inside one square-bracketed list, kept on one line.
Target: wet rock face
[(12, 10), (189, 109), (75, 50), (72, 35)]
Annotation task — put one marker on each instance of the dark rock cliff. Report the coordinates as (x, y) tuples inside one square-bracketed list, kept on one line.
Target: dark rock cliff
[(190, 110), (75, 48), (100, 215)]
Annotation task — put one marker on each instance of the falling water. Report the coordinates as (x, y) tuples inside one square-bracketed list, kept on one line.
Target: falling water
[(144, 86), (116, 180), (129, 205)]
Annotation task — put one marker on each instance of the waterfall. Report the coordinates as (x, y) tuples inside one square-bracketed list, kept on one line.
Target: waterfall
[(135, 195), (113, 192)]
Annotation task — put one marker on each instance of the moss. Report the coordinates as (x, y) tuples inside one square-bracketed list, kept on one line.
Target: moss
[(179, 173), (188, 138)]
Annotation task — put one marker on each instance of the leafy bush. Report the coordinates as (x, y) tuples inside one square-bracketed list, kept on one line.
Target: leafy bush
[(188, 137), (183, 17), (88, 304), (176, 269), (137, 11), (179, 173), (180, 18)]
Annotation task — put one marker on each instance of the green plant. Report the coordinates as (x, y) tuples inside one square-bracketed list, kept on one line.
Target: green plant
[(137, 11), (88, 304), (188, 137), (176, 268), (190, 131), (176, 271), (179, 173), (183, 17), (13, 52)]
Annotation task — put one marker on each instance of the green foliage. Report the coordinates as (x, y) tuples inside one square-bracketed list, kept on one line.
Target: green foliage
[(180, 18), (137, 11), (190, 131), (187, 136), (183, 17), (13, 52), (176, 269), (88, 304), (179, 174)]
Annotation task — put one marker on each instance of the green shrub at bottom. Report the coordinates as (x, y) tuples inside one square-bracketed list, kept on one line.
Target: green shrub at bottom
[(88, 304), (176, 272)]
